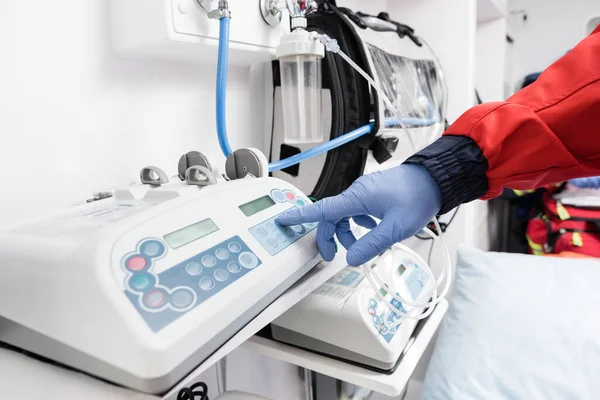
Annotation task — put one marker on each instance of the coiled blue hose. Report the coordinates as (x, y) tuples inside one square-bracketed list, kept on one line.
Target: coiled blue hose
[(222, 66)]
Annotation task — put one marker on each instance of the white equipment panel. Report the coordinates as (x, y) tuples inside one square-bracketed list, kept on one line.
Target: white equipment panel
[(344, 318), (141, 291), (181, 30)]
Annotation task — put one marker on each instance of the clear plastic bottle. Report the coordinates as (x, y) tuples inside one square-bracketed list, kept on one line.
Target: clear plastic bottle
[(301, 92), (299, 55)]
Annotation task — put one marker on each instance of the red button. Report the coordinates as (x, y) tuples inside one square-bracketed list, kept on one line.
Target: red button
[(290, 196), (136, 263), (371, 311)]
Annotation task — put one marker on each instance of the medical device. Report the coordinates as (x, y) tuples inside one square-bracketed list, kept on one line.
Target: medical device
[(346, 319), (141, 288)]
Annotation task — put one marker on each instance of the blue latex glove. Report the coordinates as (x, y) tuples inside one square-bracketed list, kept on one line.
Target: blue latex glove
[(404, 198), (588, 183)]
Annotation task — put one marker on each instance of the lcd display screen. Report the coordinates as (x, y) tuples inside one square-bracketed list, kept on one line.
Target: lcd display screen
[(190, 233), (256, 206), (401, 269)]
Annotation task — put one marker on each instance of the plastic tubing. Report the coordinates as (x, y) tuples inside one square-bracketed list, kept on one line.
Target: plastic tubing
[(222, 66)]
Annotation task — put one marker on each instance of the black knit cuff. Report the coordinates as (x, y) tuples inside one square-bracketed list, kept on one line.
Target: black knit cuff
[(458, 166)]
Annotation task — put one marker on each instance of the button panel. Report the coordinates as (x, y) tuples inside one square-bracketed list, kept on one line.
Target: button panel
[(162, 298), (378, 313), (274, 238)]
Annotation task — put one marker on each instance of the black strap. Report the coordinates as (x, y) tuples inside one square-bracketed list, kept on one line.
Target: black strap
[(382, 148)]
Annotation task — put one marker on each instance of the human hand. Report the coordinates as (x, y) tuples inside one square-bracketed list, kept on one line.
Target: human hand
[(588, 183), (404, 198)]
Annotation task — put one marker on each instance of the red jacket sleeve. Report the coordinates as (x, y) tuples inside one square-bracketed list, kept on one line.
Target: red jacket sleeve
[(546, 133)]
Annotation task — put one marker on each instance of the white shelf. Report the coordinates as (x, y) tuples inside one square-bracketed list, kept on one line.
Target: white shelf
[(490, 10), (390, 385), (311, 281)]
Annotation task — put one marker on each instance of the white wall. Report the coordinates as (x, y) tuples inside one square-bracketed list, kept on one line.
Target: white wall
[(552, 28), (75, 119)]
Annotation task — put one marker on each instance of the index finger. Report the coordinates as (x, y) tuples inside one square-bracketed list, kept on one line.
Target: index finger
[(328, 209)]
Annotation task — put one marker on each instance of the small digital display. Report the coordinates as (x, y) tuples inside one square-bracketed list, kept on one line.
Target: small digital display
[(401, 269), (190, 233), (256, 206)]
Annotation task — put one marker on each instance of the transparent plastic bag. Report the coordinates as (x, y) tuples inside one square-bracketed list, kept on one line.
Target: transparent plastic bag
[(416, 89)]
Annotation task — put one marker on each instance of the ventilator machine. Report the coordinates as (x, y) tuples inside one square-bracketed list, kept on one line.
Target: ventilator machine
[(142, 287)]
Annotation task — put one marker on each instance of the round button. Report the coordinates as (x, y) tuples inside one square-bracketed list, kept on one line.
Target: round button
[(183, 298), (300, 203), (371, 311), (376, 320), (234, 267), (289, 232), (222, 254), (281, 238), (299, 229), (278, 195), (136, 263), (373, 303), (209, 261), (271, 226), (289, 195), (248, 260), (234, 247), (310, 225), (392, 330), (207, 283), (272, 243), (153, 248), (194, 268), (262, 232), (384, 329), (155, 298), (221, 275), (141, 282)]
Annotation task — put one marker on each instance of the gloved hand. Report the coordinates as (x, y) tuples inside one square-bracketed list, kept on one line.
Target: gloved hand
[(404, 198), (589, 183)]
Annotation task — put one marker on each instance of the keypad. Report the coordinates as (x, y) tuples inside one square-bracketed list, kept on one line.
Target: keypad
[(162, 298), (274, 238)]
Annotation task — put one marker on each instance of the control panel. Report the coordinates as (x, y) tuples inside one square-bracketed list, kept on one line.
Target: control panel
[(162, 295), (381, 315)]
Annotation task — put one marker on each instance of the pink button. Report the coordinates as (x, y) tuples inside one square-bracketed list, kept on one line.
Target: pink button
[(371, 311), (290, 195), (136, 263), (155, 298)]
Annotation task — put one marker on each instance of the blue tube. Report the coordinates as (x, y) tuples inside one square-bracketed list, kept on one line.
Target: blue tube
[(339, 141), (222, 65), (322, 148)]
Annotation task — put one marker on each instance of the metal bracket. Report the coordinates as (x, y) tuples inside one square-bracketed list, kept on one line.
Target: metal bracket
[(271, 11), (200, 176), (152, 175)]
